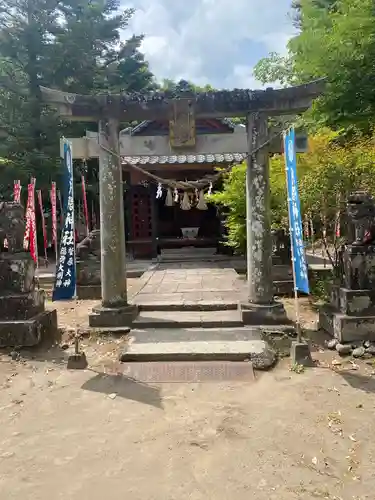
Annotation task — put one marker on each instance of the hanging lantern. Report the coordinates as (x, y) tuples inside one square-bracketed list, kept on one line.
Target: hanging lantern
[(185, 204), (202, 205), (169, 198), (176, 196)]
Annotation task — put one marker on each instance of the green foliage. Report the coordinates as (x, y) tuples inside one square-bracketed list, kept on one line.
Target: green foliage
[(233, 202), (331, 170), (232, 199), (336, 41), (275, 69), (327, 173), (321, 287), (183, 85)]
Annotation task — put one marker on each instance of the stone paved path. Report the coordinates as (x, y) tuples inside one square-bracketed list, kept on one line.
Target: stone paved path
[(178, 283)]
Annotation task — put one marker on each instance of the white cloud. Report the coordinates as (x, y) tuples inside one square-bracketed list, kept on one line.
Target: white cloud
[(211, 41)]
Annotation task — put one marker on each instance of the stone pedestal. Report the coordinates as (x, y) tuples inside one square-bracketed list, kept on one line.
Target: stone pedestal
[(261, 307), (350, 316), (113, 317), (23, 319)]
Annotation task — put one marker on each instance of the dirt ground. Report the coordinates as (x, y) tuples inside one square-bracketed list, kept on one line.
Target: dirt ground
[(88, 435)]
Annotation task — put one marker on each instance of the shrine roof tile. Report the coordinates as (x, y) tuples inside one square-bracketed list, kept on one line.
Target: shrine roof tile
[(180, 159)]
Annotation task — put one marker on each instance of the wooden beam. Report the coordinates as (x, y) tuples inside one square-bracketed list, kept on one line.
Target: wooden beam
[(152, 106)]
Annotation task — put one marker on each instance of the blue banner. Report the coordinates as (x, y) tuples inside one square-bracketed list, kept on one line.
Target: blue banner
[(295, 220), (65, 280)]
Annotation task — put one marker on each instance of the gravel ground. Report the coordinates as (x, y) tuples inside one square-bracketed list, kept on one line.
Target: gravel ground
[(88, 435)]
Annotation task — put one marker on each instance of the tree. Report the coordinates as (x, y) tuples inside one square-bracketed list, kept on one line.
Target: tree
[(72, 45), (90, 55), (340, 45), (276, 69), (337, 42), (26, 30), (183, 86), (328, 5)]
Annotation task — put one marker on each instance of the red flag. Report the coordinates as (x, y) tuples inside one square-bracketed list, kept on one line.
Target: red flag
[(54, 213), (29, 241), (61, 210), (45, 242), (85, 209), (338, 224), (17, 192), (26, 238)]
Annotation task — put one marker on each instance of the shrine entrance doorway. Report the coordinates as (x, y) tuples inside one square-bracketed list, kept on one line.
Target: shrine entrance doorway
[(169, 221), (178, 228)]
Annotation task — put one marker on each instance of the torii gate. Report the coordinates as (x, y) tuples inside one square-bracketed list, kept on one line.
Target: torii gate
[(182, 111)]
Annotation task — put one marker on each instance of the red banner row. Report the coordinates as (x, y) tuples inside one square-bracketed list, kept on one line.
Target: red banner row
[(30, 237)]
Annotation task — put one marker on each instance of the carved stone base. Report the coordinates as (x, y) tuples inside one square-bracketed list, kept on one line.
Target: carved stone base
[(347, 328), (259, 314), (21, 306), (17, 271), (353, 302), (30, 332), (358, 263), (105, 317), (89, 292)]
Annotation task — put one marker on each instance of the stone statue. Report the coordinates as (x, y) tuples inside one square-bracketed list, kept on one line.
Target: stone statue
[(281, 246), (89, 246), (350, 316), (12, 226), (361, 214), (88, 267)]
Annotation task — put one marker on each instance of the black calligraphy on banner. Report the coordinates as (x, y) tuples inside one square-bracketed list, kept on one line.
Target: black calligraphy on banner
[(65, 280)]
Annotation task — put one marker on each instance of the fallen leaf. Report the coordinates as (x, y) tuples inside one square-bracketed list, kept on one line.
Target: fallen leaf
[(352, 438), (336, 362), (314, 460), (112, 396)]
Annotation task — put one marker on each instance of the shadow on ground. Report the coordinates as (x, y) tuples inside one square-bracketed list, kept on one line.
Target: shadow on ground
[(359, 381), (124, 387), (48, 350)]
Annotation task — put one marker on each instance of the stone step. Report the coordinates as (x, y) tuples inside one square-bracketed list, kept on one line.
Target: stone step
[(256, 351), (189, 306), (157, 335), (186, 319), (192, 258), (184, 372), (49, 279)]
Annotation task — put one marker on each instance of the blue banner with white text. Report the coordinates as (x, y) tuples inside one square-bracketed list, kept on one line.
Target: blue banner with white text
[(295, 219), (65, 280)]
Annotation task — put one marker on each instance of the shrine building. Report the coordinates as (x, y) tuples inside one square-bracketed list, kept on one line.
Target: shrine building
[(167, 219)]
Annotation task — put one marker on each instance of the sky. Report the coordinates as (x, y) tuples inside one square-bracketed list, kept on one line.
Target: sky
[(210, 41)]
